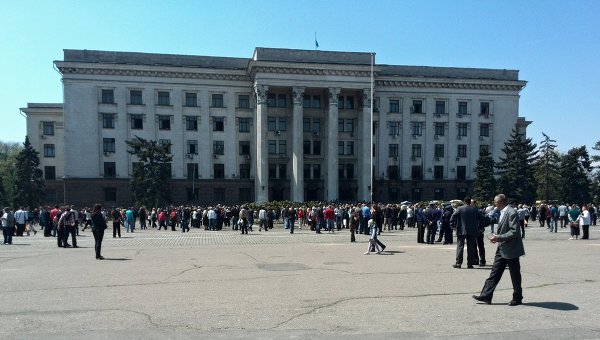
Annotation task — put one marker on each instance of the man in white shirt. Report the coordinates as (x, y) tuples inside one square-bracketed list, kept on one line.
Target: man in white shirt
[(20, 220)]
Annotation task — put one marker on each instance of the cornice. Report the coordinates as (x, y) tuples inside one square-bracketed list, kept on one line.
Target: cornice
[(65, 70), (308, 71), (513, 86)]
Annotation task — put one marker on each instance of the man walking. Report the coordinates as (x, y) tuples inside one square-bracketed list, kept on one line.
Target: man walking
[(510, 248)]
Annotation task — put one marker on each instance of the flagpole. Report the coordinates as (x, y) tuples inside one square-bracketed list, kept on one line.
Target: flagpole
[(371, 128)]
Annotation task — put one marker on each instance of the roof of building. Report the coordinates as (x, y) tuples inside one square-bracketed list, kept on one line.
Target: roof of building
[(311, 56), (447, 72), (44, 105)]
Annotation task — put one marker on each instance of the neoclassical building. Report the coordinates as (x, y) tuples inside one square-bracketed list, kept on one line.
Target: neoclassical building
[(285, 124)]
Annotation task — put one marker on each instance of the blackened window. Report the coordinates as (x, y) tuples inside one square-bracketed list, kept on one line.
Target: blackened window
[(316, 147), (218, 124), (306, 147), (244, 147), (417, 172), (192, 171), (417, 106), (439, 151), (271, 100), (137, 122), (218, 147), (393, 172), (461, 172), (110, 169), (245, 170), (219, 170), (49, 172), (438, 172), (484, 108), (484, 130)]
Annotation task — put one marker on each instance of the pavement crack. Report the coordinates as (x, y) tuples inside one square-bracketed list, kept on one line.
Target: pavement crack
[(74, 311), (252, 257), (184, 271)]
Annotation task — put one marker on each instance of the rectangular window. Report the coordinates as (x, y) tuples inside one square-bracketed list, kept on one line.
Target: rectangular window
[(281, 100), (316, 147), (137, 122), (394, 128), (191, 99), (393, 194), (110, 169), (393, 172), (350, 171), (218, 147), (394, 106), (108, 120), (283, 147), (439, 129), (166, 143), (271, 124), (217, 100), (440, 107), (245, 195), (244, 125), (484, 130), (416, 194), (417, 128), (108, 96), (272, 147), (48, 128), (393, 150), (462, 108), (191, 123), (340, 125), (110, 194), (316, 102), (461, 193), (341, 147), (51, 195), (417, 172), (341, 171), (417, 106), (244, 101), (438, 172), (192, 194), (349, 125), (349, 102), (306, 100), (306, 171), (306, 124), (245, 170), (164, 122), (271, 100), (192, 171), (306, 147), (218, 124), (108, 145), (282, 171), (272, 171), (282, 124), (135, 97), (462, 150), (316, 171), (416, 151), (341, 102), (462, 129), (219, 170), (439, 151), (192, 147), (349, 148), (244, 147), (316, 123), (484, 148), (438, 194), (461, 172), (49, 172), (163, 98), (484, 108)]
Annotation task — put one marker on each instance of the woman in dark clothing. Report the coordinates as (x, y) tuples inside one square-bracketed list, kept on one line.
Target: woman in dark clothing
[(98, 226)]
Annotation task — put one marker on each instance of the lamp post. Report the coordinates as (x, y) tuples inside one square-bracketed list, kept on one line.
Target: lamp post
[(64, 178)]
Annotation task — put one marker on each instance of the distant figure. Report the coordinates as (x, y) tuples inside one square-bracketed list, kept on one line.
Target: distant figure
[(98, 227)]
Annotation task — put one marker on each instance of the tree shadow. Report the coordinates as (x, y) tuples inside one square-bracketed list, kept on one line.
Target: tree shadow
[(18, 244), (553, 305)]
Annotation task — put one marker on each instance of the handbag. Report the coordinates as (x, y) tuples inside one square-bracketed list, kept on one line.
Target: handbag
[(574, 225)]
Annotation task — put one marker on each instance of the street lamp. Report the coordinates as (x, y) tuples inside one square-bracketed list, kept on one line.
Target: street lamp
[(64, 178)]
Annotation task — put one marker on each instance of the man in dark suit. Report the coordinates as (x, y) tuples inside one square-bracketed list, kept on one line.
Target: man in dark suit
[(510, 248), (466, 219)]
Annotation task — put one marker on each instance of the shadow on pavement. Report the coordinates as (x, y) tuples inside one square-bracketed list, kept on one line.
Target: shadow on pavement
[(391, 252), (552, 305), (116, 259)]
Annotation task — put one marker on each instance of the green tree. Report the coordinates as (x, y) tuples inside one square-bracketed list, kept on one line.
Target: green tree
[(547, 172), (485, 183), (516, 168), (575, 170), (8, 154), (29, 183), (152, 174)]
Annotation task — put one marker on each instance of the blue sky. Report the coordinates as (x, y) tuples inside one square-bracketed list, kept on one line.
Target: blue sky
[(554, 44)]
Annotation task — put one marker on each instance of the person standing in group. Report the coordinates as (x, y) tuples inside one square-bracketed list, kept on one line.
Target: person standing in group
[(446, 229), (431, 216), (8, 225), (365, 217), (116, 217), (573, 216), (129, 224), (291, 219), (510, 249), (420, 224), (466, 218), (329, 215), (263, 220), (67, 221), (20, 220), (98, 227), (584, 222), (243, 220)]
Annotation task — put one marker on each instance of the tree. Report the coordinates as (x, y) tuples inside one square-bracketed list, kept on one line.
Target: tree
[(8, 154), (151, 175), (575, 170), (516, 171), (485, 184), (29, 183), (547, 171)]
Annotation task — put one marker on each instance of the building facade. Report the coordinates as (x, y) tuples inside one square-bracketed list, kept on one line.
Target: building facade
[(285, 124)]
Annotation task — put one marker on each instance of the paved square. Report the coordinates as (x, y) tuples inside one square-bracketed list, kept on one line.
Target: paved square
[(273, 285)]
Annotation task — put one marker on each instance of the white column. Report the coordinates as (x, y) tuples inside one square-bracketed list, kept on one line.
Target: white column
[(261, 183), (332, 159), (297, 146), (365, 171)]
